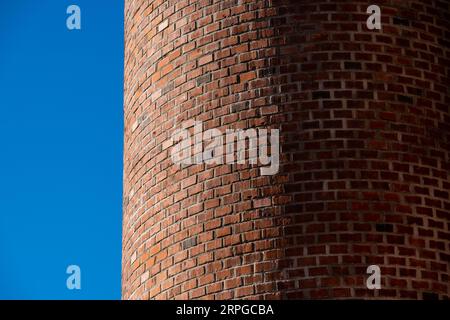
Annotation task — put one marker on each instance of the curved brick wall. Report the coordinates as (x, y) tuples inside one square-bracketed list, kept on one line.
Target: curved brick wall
[(365, 149)]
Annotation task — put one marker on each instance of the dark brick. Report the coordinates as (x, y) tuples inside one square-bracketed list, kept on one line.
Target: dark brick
[(405, 99), (384, 227), (401, 21), (188, 243), (353, 65), (321, 95), (204, 79), (430, 296)]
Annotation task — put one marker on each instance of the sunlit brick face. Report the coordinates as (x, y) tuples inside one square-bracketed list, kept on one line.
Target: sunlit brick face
[(364, 124)]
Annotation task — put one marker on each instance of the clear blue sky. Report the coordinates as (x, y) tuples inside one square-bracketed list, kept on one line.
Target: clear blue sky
[(60, 148)]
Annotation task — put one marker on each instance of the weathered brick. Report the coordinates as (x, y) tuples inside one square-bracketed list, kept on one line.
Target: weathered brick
[(364, 127)]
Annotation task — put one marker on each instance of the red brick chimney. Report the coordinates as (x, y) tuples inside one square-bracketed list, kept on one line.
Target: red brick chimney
[(364, 123)]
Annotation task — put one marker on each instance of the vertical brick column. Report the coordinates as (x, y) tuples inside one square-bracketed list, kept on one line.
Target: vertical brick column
[(365, 149), (367, 136), (201, 231)]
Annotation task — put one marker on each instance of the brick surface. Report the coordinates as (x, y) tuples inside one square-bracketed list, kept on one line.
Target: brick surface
[(364, 125)]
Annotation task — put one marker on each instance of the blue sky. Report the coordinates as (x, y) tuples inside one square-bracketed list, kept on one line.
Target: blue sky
[(60, 148)]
